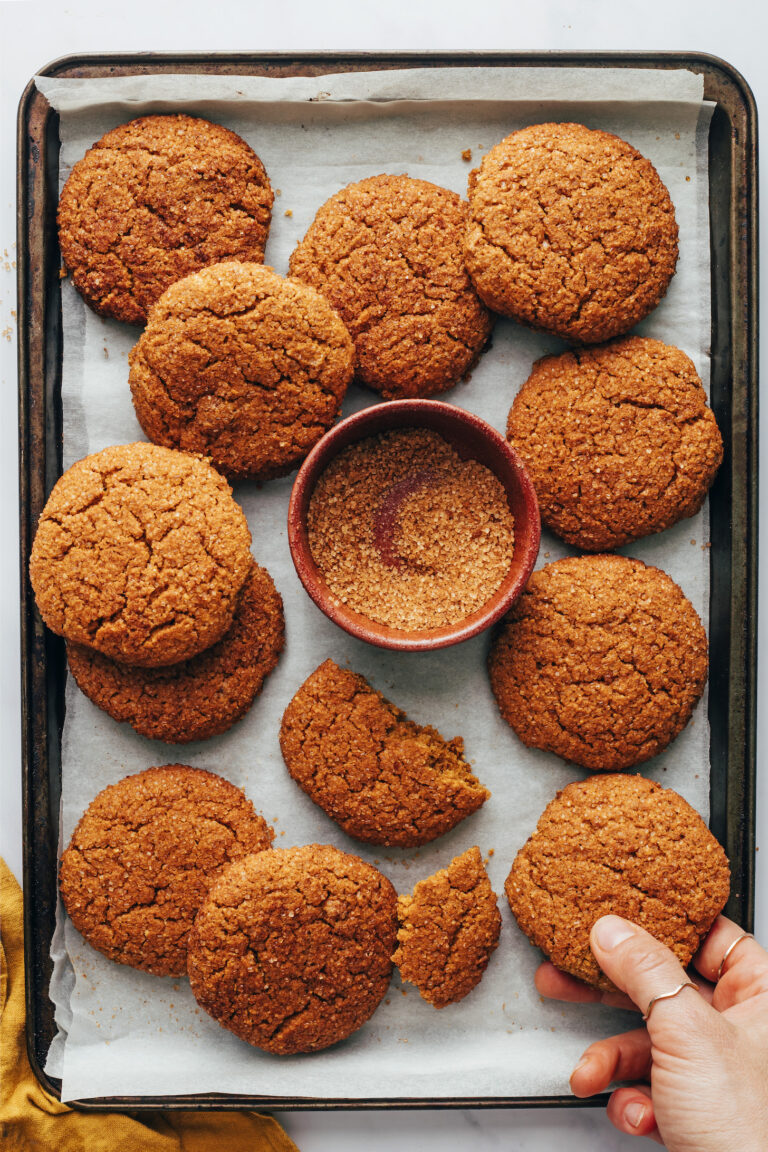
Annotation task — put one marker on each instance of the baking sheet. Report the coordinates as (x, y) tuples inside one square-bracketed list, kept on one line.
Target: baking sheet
[(129, 1033)]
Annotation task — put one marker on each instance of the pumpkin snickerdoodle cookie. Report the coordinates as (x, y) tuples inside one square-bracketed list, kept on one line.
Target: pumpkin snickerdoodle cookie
[(140, 553), (601, 661), (571, 231), (291, 949), (623, 845), (143, 856), (243, 366), (448, 929), (383, 778), (386, 252), (200, 697), (154, 200), (618, 440)]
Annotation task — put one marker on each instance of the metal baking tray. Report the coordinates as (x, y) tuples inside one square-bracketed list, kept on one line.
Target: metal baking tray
[(733, 552)]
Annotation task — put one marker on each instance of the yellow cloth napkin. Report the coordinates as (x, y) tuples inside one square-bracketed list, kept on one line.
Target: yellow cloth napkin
[(33, 1120)]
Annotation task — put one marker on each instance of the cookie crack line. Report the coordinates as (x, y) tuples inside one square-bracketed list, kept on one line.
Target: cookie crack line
[(633, 886), (133, 219)]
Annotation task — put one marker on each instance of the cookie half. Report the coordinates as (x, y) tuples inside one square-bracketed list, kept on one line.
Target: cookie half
[(383, 778), (618, 440), (619, 845), (243, 366), (143, 856), (601, 661), (570, 230), (203, 696), (154, 200), (140, 553), (387, 253), (291, 950), (448, 930)]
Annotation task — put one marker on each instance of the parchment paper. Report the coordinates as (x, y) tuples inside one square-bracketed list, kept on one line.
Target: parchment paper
[(125, 1032)]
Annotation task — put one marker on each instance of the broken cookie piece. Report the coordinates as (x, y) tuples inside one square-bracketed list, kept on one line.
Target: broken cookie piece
[(448, 929), (383, 778)]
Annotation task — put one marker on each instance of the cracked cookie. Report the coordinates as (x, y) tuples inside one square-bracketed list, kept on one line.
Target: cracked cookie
[(571, 231), (380, 776), (140, 553), (203, 696), (291, 950), (143, 856), (618, 440), (621, 845), (386, 252), (448, 929), (243, 366), (154, 200), (601, 661)]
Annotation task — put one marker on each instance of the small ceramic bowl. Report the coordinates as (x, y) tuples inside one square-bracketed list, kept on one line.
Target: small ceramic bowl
[(471, 438)]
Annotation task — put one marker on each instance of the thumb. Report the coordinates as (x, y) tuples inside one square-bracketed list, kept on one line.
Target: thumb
[(643, 968)]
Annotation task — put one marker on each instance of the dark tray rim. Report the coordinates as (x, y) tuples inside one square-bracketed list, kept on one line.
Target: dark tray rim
[(723, 84)]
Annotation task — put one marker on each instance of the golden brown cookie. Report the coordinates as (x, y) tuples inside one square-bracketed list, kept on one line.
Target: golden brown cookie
[(154, 200), (140, 553), (601, 660), (618, 440), (570, 230), (387, 253), (291, 950), (448, 929), (203, 696), (622, 845), (383, 778), (243, 366), (143, 856)]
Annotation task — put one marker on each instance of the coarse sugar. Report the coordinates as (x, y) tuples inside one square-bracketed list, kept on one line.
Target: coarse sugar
[(409, 534)]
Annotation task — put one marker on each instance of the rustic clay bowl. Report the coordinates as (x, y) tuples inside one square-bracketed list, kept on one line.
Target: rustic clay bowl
[(472, 438)]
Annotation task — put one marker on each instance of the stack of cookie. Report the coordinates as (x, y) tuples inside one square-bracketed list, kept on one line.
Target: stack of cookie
[(142, 563)]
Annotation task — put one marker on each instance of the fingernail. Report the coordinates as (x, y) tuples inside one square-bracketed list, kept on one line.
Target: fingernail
[(610, 931), (584, 1060), (634, 1113)]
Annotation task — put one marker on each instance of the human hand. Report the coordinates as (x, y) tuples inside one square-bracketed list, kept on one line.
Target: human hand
[(702, 1061)]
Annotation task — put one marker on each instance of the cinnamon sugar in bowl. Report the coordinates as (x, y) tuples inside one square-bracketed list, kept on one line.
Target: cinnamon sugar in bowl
[(413, 525)]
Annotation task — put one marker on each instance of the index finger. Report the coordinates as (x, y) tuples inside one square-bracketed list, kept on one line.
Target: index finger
[(556, 985)]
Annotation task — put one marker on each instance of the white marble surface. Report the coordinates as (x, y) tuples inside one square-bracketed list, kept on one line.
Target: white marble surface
[(33, 33)]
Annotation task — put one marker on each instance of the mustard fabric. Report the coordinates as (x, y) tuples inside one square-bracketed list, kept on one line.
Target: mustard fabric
[(34, 1121)]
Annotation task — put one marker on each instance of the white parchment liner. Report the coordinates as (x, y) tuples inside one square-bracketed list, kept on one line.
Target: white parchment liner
[(128, 1033)]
